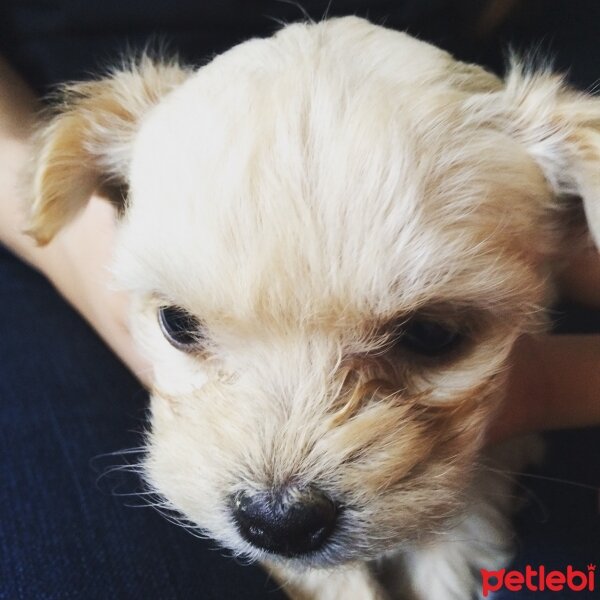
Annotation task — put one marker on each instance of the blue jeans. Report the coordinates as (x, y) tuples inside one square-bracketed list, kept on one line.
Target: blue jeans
[(71, 525)]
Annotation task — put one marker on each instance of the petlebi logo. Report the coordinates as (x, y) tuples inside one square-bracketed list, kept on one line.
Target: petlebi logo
[(538, 580)]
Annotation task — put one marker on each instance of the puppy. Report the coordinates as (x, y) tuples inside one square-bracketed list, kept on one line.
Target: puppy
[(333, 238)]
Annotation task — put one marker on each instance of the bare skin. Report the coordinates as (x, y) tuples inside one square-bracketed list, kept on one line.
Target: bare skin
[(77, 260), (554, 380)]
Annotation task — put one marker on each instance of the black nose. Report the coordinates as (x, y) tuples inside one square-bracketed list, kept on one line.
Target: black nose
[(288, 521)]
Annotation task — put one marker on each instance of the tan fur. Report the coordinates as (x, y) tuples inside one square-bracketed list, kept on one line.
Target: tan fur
[(88, 140), (303, 196)]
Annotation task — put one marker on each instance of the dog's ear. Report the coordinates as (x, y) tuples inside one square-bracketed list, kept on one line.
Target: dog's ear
[(87, 140), (560, 127)]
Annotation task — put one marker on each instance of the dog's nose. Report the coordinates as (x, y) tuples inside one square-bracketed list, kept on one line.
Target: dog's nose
[(288, 521)]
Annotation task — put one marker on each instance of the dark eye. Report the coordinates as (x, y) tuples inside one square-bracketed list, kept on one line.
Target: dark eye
[(428, 338), (182, 330)]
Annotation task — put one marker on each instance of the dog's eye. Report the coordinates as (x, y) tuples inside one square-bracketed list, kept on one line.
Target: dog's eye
[(182, 330), (428, 338)]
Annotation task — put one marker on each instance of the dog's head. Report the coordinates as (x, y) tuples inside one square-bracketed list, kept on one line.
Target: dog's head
[(333, 238)]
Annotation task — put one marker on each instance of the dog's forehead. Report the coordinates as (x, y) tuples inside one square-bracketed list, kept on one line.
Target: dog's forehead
[(320, 168)]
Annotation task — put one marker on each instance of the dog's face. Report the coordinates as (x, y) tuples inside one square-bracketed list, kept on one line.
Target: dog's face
[(333, 238)]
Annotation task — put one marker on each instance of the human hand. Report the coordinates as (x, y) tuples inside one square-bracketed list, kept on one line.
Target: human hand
[(554, 383)]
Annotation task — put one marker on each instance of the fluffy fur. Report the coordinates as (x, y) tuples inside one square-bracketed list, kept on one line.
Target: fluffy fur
[(300, 195)]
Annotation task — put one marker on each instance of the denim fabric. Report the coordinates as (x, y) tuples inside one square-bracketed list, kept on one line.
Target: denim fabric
[(560, 522), (68, 530)]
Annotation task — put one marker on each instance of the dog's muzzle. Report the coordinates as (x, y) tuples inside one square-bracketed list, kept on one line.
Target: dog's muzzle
[(288, 521)]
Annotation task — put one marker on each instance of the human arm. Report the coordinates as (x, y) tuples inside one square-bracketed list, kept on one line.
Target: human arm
[(78, 258)]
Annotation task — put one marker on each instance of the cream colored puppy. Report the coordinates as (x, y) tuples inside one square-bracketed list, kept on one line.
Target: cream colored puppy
[(333, 237)]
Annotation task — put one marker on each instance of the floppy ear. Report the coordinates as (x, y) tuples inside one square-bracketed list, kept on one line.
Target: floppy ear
[(87, 141), (560, 127)]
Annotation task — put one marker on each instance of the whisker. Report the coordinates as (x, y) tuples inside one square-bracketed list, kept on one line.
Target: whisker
[(529, 494), (128, 494), (301, 8), (550, 479), (145, 505), (277, 20), (134, 450), (327, 10)]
